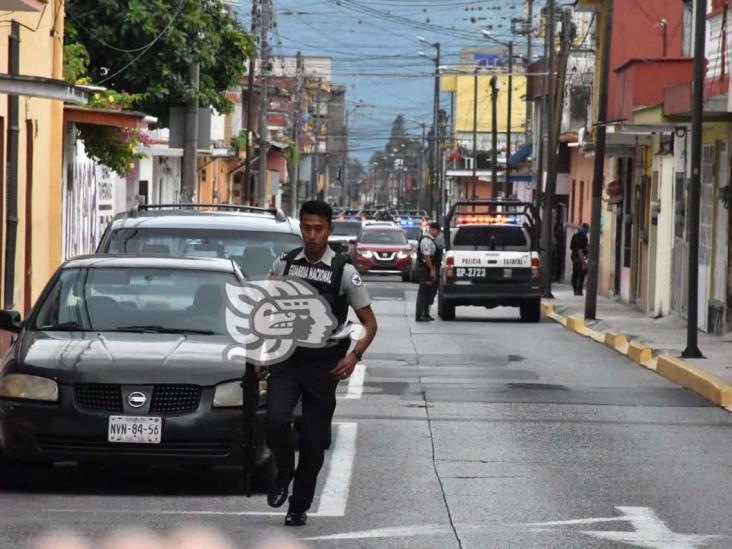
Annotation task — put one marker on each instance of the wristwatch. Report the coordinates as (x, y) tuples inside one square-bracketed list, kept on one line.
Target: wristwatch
[(359, 355)]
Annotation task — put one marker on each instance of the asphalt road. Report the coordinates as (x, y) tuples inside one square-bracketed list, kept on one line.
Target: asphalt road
[(483, 432)]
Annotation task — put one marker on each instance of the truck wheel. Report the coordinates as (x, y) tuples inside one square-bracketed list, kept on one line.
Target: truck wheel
[(531, 310), (445, 309)]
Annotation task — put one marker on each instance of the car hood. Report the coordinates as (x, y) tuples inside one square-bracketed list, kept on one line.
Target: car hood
[(385, 247), (126, 358)]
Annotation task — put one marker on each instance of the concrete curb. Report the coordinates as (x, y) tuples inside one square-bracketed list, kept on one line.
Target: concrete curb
[(705, 384)]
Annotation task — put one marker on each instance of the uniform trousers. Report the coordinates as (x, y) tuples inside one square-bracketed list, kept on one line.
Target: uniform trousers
[(426, 293), (306, 375)]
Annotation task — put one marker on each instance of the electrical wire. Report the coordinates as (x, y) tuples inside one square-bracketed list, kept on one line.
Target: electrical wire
[(175, 15)]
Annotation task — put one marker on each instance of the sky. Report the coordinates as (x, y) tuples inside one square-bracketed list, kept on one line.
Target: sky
[(375, 50)]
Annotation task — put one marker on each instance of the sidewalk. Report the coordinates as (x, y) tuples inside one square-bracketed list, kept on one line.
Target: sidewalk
[(653, 343)]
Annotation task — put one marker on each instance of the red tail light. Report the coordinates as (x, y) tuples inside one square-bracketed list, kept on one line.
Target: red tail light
[(449, 270), (536, 268), (450, 261)]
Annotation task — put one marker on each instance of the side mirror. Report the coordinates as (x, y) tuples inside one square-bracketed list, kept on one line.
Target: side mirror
[(352, 241), (10, 321)]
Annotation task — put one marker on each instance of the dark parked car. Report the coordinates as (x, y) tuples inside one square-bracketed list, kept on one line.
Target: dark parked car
[(253, 237), (344, 235), (122, 361)]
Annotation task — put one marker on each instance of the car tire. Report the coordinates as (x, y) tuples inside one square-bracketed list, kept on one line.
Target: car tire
[(406, 277), (531, 310), (445, 309)]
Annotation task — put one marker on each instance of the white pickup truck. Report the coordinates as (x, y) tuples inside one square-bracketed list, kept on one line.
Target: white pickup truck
[(491, 258)]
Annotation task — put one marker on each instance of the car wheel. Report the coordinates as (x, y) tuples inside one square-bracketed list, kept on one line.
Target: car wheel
[(531, 310), (445, 309), (406, 276)]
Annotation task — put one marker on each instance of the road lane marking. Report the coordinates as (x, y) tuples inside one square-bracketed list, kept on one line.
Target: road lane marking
[(333, 497), (650, 531), (355, 383), (380, 533)]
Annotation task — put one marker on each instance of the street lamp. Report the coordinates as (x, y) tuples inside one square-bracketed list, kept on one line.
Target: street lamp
[(435, 124), (509, 45)]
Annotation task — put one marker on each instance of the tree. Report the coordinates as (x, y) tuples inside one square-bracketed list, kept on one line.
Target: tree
[(144, 47)]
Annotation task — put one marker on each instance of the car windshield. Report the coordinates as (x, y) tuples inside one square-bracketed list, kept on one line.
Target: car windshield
[(254, 251), (413, 233), (383, 237), (491, 237), (137, 300), (346, 228)]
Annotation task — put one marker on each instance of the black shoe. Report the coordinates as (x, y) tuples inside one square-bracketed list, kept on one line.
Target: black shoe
[(278, 492), (294, 518), (428, 317), (421, 319)]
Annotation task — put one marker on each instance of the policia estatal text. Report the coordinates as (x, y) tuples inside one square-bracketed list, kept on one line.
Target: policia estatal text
[(312, 374)]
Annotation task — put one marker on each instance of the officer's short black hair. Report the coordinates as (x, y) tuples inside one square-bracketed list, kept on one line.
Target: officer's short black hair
[(319, 208), (435, 225)]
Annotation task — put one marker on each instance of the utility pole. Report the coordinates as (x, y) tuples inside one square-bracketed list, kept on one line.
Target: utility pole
[(540, 127), (529, 55), (593, 266), (263, 107), (436, 175), (190, 144), (508, 187), (475, 135), (295, 179), (13, 149), (494, 137), (697, 118), (551, 155), (315, 161), (247, 186), (344, 168)]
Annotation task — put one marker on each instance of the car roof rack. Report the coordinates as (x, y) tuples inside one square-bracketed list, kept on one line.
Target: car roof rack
[(278, 214)]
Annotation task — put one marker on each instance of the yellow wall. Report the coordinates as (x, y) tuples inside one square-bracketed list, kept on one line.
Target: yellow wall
[(464, 88), (41, 55)]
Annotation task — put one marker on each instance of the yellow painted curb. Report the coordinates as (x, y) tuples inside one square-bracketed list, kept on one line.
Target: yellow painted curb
[(707, 385), (547, 308), (639, 352), (575, 323), (558, 318)]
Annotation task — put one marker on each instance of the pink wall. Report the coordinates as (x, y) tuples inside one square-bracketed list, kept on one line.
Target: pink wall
[(581, 174)]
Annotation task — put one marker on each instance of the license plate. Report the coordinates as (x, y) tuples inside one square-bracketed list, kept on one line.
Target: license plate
[(507, 273), (135, 430), (471, 272)]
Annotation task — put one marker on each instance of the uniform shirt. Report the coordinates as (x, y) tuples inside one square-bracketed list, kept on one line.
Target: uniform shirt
[(351, 283), (428, 247), (579, 243)]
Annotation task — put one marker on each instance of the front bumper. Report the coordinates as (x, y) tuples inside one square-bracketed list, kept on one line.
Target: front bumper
[(397, 266), (491, 294), (41, 432)]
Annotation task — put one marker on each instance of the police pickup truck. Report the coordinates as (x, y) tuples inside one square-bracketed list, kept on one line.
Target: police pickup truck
[(491, 258)]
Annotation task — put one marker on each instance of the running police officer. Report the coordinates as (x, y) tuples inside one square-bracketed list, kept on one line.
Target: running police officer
[(312, 374), (429, 256)]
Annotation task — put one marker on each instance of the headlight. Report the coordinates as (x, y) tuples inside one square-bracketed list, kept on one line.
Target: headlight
[(367, 254), (28, 387), (229, 395), (403, 255)]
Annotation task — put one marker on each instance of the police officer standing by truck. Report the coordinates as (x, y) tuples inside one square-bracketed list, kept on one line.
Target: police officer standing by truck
[(429, 257), (311, 375)]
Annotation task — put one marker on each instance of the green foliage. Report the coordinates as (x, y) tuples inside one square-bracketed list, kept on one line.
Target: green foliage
[(76, 62), (111, 99), (239, 141), (113, 147), (160, 38)]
